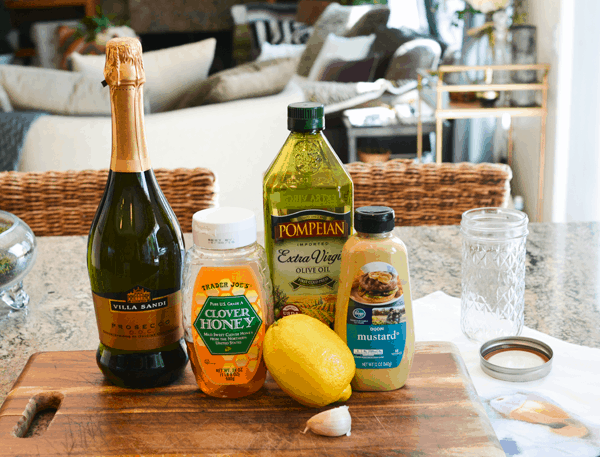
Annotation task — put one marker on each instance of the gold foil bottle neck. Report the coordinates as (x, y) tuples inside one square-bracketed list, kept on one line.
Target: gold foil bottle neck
[(124, 65)]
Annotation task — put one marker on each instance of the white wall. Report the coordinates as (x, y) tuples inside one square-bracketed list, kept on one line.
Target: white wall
[(545, 15), (567, 39), (583, 173)]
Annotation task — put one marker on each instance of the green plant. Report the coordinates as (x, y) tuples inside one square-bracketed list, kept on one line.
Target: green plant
[(90, 26), (6, 265), (4, 227)]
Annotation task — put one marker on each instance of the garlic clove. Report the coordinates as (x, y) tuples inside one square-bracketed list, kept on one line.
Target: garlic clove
[(333, 422)]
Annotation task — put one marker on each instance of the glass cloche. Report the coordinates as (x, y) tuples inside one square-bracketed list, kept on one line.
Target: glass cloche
[(18, 251)]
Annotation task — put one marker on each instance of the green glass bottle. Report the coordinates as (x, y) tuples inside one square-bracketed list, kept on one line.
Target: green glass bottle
[(135, 246), (308, 197)]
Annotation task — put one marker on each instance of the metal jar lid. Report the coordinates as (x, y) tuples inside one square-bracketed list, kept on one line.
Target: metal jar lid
[(518, 344)]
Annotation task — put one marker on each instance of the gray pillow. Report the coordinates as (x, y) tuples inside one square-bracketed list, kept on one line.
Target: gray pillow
[(254, 79), (171, 73), (53, 91), (5, 106), (341, 21), (376, 17)]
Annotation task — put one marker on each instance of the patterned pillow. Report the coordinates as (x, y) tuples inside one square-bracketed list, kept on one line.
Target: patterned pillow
[(69, 42), (259, 23), (279, 32)]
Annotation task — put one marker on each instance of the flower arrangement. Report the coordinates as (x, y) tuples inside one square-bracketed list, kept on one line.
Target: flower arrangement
[(488, 6), (94, 28)]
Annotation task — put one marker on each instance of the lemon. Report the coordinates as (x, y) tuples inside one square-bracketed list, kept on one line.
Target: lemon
[(308, 360)]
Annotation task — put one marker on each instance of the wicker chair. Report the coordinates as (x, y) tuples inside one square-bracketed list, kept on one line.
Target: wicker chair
[(430, 194), (65, 202)]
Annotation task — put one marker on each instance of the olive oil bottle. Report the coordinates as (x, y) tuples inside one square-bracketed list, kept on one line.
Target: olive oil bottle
[(308, 197), (135, 245)]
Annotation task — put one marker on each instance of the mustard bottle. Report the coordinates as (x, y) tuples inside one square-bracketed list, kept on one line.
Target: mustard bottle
[(374, 306)]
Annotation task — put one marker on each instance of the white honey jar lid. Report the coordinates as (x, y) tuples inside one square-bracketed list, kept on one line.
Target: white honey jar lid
[(224, 228)]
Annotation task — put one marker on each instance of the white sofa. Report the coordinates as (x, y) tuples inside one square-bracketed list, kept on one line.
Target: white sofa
[(237, 140)]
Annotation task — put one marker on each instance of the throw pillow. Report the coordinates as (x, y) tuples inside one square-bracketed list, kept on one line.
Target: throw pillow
[(69, 42), (254, 79), (387, 41), (279, 32), (350, 72), (259, 23), (337, 96), (375, 17), (54, 91), (340, 48), (336, 19), (422, 53), (5, 105), (170, 73), (270, 51)]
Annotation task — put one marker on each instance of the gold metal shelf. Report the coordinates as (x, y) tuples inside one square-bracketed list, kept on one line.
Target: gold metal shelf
[(456, 110), (461, 112)]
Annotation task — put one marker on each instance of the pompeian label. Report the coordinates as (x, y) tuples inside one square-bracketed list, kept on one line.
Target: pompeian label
[(311, 229), (228, 323), (139, 319), (376, 317), (307, 253)]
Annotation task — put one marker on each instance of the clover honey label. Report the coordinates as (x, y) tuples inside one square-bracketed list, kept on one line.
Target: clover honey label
[(228, 323), (140, 319), (307, 253)]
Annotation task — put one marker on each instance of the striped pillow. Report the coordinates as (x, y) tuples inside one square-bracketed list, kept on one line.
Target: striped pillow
[(279, 32)]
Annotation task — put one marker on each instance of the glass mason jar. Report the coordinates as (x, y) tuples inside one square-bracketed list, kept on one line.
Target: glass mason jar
[(493, 273)]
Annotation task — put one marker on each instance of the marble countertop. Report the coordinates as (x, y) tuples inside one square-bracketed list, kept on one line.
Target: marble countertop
[(562, 289)]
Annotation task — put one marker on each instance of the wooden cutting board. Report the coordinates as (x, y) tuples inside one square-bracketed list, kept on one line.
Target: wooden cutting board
[(436, 413)]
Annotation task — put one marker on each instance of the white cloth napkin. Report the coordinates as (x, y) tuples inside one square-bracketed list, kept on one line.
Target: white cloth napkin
[(558, 415)]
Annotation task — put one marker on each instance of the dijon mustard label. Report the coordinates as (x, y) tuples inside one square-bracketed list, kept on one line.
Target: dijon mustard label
[(376, 318), (307, 253), (140, 319)]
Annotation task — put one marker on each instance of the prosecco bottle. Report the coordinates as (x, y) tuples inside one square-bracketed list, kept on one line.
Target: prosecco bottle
[(135, 245)]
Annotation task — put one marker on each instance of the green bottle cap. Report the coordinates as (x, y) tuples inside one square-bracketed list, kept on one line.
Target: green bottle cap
[(306, 116)]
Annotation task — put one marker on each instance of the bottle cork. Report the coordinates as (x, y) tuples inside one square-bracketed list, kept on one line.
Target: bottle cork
[(124, 65)]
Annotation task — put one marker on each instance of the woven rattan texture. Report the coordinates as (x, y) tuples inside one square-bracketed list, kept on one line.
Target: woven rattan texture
[(64, 203), (430, 194)]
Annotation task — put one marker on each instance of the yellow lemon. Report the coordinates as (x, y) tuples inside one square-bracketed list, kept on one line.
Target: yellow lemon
[(308, 360)]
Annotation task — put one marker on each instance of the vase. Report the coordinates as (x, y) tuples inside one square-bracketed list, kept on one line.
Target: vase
[(523, 51), (501, 53)]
